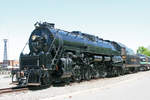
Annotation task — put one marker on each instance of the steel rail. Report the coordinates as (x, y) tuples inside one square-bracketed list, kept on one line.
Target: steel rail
[(13, 89)]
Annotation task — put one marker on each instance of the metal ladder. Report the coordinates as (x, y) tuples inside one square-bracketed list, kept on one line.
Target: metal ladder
[(58, 52)]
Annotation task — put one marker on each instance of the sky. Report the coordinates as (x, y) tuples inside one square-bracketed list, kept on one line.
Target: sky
[(125, 21)]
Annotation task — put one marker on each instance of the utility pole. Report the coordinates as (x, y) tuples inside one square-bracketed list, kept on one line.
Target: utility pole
[(5, 60)]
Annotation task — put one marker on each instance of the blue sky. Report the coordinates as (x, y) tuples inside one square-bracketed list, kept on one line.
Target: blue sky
[(125, 21)]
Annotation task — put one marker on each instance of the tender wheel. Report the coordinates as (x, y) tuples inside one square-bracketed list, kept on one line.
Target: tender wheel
[(103, 74), (97, 75), (76, 73), (114, 72), (102, 71), (87, 75)]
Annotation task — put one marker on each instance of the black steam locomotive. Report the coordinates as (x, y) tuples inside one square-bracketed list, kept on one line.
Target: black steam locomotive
[(60, 56)]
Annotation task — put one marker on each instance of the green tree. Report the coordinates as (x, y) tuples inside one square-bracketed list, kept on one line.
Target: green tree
[(143, 50)]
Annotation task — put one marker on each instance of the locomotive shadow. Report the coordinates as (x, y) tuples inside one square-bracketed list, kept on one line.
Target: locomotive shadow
[(35, 88)]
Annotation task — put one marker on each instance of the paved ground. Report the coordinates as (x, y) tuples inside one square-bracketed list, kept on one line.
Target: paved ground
[(5, 81), (134, 86), (134, 89)]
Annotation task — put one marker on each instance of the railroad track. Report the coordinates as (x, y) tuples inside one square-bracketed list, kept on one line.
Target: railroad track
[(13, 89)]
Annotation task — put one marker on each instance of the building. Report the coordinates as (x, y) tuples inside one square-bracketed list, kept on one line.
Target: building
[(12, 63)]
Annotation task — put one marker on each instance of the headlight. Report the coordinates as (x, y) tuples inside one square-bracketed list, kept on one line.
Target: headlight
[(34, 37)]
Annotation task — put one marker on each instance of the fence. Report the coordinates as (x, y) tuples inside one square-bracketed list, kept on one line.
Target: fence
[(5, 72)]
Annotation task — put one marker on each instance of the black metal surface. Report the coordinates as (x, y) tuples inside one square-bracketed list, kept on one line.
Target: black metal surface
[(57, 55)]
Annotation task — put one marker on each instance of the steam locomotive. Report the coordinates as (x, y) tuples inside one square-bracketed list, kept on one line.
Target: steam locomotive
[(59, 56)]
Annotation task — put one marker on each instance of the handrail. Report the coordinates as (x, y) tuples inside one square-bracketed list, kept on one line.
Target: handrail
[(57, 52)]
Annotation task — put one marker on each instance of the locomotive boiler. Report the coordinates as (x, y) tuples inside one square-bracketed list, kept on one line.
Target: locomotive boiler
[(60, 56)]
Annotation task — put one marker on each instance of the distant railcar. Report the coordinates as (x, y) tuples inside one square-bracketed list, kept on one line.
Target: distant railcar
[(144, 62)]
